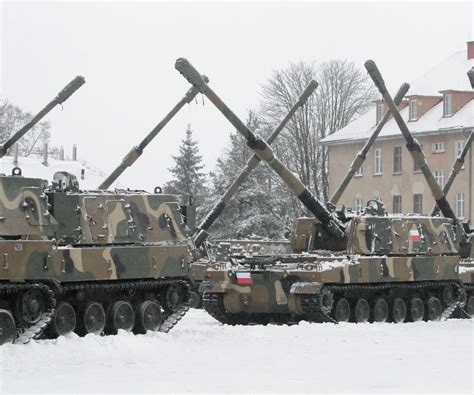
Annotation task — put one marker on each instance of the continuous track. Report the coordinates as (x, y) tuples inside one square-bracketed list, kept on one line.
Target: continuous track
[(311, 304)]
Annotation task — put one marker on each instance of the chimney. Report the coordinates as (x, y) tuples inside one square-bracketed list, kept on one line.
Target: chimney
[(74, 152), (470, 49)]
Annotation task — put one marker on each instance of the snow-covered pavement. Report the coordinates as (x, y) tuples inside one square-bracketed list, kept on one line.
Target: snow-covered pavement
[(200, 355)]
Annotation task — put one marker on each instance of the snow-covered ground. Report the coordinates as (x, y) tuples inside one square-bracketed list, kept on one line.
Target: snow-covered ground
[(200, 355)]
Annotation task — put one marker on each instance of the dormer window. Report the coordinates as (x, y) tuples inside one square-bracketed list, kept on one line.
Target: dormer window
[(448, 105), (413, 113), (380, 112)]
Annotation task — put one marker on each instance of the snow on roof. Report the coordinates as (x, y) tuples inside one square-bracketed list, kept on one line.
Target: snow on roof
[(431, 121), (450, 74), (32, 167)]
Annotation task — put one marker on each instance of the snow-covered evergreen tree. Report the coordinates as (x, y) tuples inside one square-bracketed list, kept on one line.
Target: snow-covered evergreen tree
[(189, 179), (260, 207)]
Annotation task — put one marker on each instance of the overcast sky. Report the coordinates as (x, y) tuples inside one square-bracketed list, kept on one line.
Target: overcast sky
[(126, 51)]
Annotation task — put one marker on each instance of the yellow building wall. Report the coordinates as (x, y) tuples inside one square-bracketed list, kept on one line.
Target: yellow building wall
[(408, 182)]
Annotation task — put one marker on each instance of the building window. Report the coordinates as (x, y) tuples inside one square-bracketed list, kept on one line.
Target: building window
[(439, 177), (460, 204), (380, 108), (459, 146), (358, 204), (358, 172), (413, 113), (378, 161), (448, 105), (397, 204), (397, 160), (418, 203), (438, 147)]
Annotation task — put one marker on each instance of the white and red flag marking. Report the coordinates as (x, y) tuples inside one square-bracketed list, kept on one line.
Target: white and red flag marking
[(415, 235), (244, 278)]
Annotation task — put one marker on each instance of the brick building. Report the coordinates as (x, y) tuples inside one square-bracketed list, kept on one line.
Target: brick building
[(439, 111)]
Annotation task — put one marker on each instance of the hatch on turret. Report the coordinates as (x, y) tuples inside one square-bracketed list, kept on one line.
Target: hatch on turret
[(24, 208)]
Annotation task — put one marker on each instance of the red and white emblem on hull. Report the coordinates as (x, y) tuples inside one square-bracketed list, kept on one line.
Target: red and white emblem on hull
[(244, 278), (415, 235)]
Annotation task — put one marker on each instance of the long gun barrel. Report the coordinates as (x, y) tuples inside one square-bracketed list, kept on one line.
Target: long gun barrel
[(61, 97), (201, 233), (137, 151), (263, 151), (458, 164), (362, 154), (413, 146)]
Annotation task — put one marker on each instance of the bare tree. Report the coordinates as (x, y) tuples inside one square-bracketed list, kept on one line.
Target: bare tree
[(12, 118), (343, 94)]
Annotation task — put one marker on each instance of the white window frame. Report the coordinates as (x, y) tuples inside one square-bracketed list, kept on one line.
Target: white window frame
[(397, 210), (420, 203), (359, 172), (395, 156), (458, 148), (448, 105), (413, 110), (438, 147), (378, 161), (358, 204), (460, 204), (439, 177)]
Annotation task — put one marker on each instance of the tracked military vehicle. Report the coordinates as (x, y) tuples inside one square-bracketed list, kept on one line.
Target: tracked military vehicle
[(369, 267), (87, 261)]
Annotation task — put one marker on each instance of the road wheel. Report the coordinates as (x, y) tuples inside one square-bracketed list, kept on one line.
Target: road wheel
[(121, 316), (342, 311), (417, 309), (195, 301), (148, 317), (92, 319), (64, 321), (380, 310), (399, 310), (362, 311), (7, 327), (433, 309)]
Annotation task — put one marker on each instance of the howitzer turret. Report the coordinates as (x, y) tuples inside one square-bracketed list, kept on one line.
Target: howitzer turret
[(412, 144), (261, 148), (457, 166), (88, 261), (137, 151), (253, 161), (362, 154), (61, 97)]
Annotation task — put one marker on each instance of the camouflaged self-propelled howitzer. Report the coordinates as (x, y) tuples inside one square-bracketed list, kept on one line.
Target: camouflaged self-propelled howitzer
[(88, 261), (369, 267)]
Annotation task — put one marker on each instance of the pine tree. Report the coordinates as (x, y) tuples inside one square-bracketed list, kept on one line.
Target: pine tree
[(189, 180), (259, 208)]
